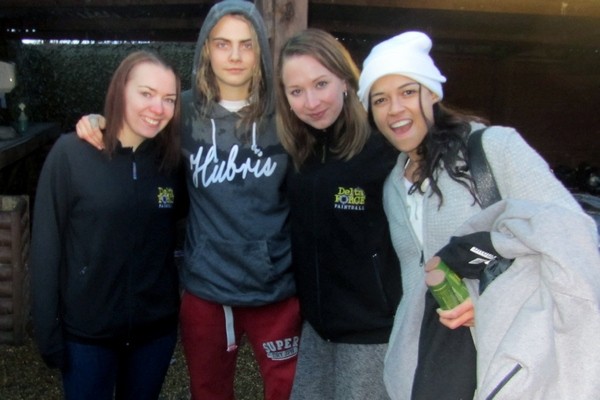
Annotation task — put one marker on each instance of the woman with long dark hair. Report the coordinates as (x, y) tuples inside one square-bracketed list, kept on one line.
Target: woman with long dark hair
[(434, 208)]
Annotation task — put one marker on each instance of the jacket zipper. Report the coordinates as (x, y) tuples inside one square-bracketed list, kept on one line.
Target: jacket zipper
[(504, 381), (316, 248), (377, 267), (134, 177), (134, 169)]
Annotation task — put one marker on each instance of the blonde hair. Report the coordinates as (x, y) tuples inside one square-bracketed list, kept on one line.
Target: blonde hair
[(207, 86)]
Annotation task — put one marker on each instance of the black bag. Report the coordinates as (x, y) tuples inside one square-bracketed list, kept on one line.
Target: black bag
[(485, 184)]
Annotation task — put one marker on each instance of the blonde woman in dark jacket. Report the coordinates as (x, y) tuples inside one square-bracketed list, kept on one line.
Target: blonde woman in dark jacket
[(347, 275)]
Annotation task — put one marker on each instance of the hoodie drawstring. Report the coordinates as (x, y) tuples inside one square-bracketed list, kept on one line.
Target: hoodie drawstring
[(231, 346), (254, 147), (214, 138)]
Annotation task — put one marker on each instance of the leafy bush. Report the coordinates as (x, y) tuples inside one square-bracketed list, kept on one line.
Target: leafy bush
[(62, 82)]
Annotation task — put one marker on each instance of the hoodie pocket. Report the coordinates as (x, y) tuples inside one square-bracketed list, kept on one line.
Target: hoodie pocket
[(236, 267)]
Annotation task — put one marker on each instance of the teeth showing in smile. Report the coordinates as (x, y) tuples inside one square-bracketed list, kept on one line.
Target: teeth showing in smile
[(400, 124), (151, 121)]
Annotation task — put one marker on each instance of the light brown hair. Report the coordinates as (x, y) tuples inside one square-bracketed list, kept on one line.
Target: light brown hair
[(351, 130), (207, 86)]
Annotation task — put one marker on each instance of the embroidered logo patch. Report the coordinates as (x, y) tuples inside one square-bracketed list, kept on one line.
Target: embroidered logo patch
[(166, 197), (350, 199), (282, 349)]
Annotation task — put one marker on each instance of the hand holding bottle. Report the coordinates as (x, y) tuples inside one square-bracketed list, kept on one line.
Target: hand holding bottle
[(456, 308)]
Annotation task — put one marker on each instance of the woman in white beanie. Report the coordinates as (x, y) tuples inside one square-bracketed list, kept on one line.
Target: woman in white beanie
[(427, 196)]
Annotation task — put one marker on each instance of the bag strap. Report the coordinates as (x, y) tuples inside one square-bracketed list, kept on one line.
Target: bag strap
[(485, 184)]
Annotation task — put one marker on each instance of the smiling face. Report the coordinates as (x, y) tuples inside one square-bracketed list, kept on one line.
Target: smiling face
[(150, 96), (232, 56), (401, 109), (314, 93)]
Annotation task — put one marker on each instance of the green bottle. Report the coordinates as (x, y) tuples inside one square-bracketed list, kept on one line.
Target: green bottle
[(441, 290), (456, 283)]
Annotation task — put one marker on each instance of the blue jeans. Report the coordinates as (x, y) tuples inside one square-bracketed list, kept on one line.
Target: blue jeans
[(128, 372)]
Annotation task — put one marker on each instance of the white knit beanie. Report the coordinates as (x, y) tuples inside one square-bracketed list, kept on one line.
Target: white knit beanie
[(406, 54)]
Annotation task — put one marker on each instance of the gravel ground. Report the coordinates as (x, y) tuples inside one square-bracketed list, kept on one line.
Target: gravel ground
[(23, 376)]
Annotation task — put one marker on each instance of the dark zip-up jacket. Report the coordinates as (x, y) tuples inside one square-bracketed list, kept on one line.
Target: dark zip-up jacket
[(347, 272), (101, 261)]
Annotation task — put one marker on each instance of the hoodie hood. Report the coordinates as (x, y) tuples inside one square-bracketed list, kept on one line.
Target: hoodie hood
[(248, 10)]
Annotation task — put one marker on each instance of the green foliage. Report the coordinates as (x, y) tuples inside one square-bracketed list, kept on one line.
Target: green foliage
[(62, 82)]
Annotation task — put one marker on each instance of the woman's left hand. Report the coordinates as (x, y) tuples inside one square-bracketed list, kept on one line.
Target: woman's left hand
[(461, 315)]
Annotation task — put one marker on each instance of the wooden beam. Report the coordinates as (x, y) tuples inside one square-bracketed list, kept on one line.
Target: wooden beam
[(520, 21), (108, 23), (568, 36), (572, 8), (99, 3), (283, 18), (518, 29), (577, 8), (566, 8)]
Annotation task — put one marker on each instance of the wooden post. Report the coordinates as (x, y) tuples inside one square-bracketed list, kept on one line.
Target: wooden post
[(283, 18), (14, 279)]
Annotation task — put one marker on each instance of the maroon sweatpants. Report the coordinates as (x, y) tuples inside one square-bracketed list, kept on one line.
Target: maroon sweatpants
[(272, 330)]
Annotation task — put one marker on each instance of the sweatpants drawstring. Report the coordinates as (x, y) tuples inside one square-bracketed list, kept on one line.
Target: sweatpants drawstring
[(229, 329)]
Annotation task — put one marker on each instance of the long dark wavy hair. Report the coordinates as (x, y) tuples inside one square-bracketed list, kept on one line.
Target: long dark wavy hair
[(444, 148)]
